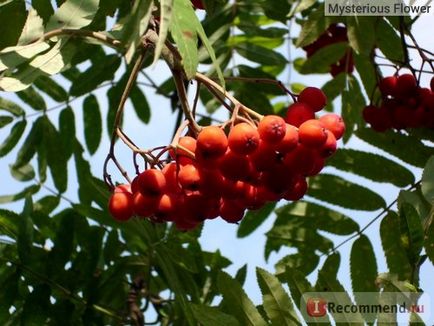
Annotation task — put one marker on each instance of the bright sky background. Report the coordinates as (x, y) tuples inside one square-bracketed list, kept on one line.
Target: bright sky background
[(218, 234)]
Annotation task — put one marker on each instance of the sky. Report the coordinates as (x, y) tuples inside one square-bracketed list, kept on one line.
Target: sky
[(218, 234)]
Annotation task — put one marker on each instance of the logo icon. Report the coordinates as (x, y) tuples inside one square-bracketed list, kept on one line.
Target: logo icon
[(316, 307)]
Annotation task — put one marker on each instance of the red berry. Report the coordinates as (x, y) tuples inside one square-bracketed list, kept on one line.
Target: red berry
[(313, 97), (298, 189), (432, 84), (298, 113), (272, 129), (406, 84), (388, 85), (144, 205), (198, 4), (189, 177)]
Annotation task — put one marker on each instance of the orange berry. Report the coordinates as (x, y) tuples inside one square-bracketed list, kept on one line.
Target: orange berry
[(300, 160), (329, 147), (152, 182), (312, 133), (243, 138), (182, 156), (313, 97), (211, 142), (334, 123), (264, 157), (165, 208), (189, 177), (235, 167), (290, 141), (388, 85), (123, 188), (121, 206), (298, 189), (212, 183), (272, 129), (298, 113), (170, 172), (231, 211), (144, 205)]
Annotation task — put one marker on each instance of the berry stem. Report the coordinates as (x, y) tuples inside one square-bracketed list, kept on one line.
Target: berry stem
[(208, 81)]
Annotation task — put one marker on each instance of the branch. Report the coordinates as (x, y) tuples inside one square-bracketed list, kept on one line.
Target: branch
[(80, 33)]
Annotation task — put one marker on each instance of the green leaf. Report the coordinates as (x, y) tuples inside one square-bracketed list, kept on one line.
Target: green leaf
[(49, 63), (361, 33), (36, 307), (236, 301), (9, 223), (260, 54), (427, 182), (5, 120), (18, 196), (254, 219), (276, 301), (321, 61), (388, 41), (11, 107), (429, 239), (412, 232), (241, 274), (22, 173), (327, 282), (334, 87), (416, 199), (363, 267), (352, 102), (56, 156), (367, 72), (140, 104), (33, 28), (135, 25), (276, 10), (183, 30), (32, 98), (207, 44), (67, 131), (25, 231), (63, 241), (51, 88), (166, 10), (92, 123), (299, 285), (301, 6), (304, 261), (334, 190), (212, 316), (73, 14), (97, 73), (375, 167), (13, 15), (170, 274), (30, 145), (396, 258), (313, 27), (44, 8), (405, 147), (12, 57)]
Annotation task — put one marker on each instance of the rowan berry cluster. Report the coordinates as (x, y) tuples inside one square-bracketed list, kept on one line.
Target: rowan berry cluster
[(404, 105), (334, 34), (230, 168)]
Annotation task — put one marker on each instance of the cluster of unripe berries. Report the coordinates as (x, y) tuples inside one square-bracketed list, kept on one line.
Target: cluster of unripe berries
[(404, 105), (334, 34), (224, 173)]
